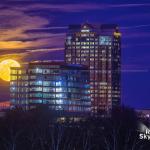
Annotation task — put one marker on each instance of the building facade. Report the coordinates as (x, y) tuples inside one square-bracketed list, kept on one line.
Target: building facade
[(98, 47), (64, 88), (19, 87)]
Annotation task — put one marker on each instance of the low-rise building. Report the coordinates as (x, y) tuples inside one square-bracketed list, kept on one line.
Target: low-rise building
[(63, 88)]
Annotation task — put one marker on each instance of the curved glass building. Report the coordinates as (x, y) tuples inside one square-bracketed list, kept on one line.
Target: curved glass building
[(64, 88)]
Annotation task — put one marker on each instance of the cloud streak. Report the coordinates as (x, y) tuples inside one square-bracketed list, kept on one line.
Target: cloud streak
[(22, 28), (78, 7), (16, 20), (34, 54)]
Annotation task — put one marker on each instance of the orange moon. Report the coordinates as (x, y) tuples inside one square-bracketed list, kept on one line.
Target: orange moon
[(5, 68)]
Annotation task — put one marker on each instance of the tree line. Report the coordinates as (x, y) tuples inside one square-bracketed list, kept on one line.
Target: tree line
[(36, 130)]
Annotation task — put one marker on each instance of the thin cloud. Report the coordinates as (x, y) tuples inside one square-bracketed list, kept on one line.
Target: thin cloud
[(80, 7), (24, 54), (136, 26), (45, 50), (16, 21), (137, 34), (51, 28)]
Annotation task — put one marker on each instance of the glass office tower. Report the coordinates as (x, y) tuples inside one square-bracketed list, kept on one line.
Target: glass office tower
[(98, 47), (62, 87)]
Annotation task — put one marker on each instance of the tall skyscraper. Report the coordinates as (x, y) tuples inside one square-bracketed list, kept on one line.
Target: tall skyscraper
[(64, 88), (98, 47)]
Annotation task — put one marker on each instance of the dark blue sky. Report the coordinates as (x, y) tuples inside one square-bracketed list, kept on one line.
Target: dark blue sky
[(32, 30)]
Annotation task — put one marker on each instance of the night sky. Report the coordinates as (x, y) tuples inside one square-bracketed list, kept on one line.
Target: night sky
[(35, 30)]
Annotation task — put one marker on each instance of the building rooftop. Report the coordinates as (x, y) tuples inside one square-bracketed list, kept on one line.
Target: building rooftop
[(47, 62), (100, 26)]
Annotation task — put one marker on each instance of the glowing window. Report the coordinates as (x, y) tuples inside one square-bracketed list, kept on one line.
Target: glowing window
[(58, 83), (105, 40)]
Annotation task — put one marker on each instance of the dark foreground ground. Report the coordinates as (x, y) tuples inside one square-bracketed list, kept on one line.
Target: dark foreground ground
[(35, 130)]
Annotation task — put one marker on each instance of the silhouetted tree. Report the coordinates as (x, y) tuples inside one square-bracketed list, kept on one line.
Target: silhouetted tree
[(38, 130)]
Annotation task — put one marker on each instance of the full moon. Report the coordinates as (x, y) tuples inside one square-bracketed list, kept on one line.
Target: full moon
[(5, 68)]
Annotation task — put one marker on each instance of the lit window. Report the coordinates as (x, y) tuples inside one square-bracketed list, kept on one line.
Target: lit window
[(58, 89), (58, 83), (105, 40), (69, 40), (59, 95), (59, 101), (38, 70), (85, 30), (39, 82)]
